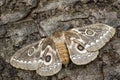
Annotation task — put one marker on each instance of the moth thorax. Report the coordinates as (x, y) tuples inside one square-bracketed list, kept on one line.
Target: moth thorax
[(63, 52)]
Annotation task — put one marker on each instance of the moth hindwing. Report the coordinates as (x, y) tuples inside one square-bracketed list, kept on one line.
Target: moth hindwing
[(47, 55)]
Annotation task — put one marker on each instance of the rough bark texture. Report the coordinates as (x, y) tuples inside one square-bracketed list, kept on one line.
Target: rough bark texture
[(19, 23)]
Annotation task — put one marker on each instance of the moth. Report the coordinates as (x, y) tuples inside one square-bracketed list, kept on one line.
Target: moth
[(80, 45)]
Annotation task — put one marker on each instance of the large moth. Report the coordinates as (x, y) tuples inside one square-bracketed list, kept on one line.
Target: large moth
[(81, 45)]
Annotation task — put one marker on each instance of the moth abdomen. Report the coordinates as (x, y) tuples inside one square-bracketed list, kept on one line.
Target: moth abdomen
[(63, 52)]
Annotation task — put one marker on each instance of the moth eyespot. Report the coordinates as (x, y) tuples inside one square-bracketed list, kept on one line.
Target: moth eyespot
[(48, 59), (80, 47), (89, 32), (30, 51)]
